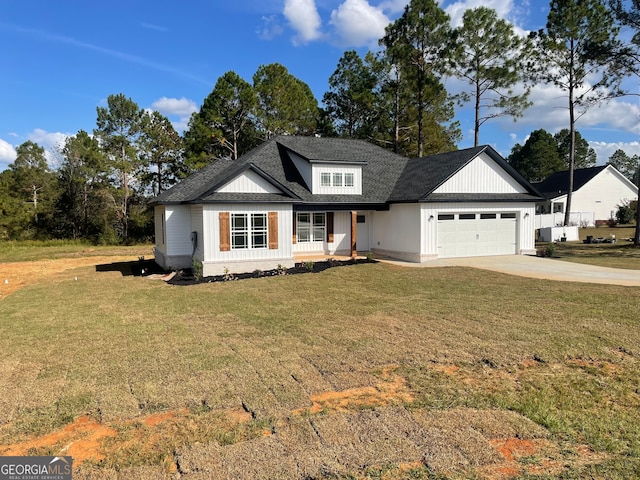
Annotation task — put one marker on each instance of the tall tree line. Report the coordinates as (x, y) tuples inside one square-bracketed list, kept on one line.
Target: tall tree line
[(395, 97)]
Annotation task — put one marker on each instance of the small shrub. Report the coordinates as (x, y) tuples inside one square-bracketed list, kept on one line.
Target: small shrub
[(281, 269), (625, 213), (369, 256), (308, 265), (196, 267), (548, 250), (227, 276)]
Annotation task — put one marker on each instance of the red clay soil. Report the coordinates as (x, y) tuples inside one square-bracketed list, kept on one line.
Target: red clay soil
[(391, 389), (84, 438)]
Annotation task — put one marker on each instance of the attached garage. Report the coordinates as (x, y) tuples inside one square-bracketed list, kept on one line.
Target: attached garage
[(465, 234), (306, 195)]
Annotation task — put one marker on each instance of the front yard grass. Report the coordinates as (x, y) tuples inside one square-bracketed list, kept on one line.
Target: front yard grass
[(24, 251), (210, 376), (621, 254)]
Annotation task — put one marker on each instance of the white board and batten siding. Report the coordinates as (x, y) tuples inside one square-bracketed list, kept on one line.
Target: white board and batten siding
[(476, 229), (173, 227), (603, 194), (178, 230), (481, 175), (331, 169), (304, 168), (341, 238), (217, 262), (249, 182), (397, 232), (197, 227)]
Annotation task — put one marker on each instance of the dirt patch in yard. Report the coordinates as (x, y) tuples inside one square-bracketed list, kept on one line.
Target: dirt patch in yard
[(357, 431), (14, 276), (334, 420), (392, 389)]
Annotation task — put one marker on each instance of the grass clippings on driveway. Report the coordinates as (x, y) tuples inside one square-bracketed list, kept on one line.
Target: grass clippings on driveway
[(362, 371)]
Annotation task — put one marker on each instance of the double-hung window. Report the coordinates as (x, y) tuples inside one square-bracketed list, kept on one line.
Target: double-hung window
[(249, 230), (311, 227)]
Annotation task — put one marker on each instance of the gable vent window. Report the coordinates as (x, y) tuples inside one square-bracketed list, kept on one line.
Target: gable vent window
[(325, 179)]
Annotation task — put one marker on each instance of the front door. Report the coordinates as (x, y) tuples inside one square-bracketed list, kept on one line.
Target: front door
[(362, 232)]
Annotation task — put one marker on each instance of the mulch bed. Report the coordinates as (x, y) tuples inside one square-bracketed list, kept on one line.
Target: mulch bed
[(186, 276)]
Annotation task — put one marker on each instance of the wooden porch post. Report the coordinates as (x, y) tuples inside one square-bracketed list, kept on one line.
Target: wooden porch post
[(354, 228)]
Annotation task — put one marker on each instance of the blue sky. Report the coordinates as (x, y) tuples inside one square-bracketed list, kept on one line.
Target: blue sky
[(61, 59)]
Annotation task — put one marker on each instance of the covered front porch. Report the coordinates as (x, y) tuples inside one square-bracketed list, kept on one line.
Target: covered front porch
[(331, 234)]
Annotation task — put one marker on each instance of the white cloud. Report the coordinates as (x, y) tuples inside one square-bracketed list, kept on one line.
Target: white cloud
[(175, 106), (456, 10), (394, 6), (270, 28), (618, 114), (7, 154), (604, 150), (48, 140), (52, 142), (358, 23), (304, 19)]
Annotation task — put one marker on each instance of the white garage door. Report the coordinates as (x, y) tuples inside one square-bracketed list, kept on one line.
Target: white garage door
[(476, 234)]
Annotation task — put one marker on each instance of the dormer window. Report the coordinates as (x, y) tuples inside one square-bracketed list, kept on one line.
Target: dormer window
[(325, 179), (337, 180), (348, 179)]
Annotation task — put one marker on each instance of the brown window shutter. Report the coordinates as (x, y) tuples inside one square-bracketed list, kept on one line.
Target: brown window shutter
[(225, 232), (294, 240), (273, 230), (330, 227)]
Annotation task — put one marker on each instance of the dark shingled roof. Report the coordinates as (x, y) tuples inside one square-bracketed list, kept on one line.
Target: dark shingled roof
[(557, 183), (387, 177)]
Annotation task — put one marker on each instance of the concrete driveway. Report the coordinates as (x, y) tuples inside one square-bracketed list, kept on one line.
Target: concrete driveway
[(546, 268)]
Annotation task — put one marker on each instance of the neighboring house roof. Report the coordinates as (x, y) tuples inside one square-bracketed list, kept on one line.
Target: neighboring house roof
[(557, 184), (386, 177)]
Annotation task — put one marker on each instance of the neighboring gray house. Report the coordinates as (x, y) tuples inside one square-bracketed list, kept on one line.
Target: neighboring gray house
[(295, 196)]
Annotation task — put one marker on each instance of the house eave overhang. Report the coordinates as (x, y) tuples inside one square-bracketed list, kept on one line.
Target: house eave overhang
[(338, 207), (323, 160), (480, 198), (337, 162)]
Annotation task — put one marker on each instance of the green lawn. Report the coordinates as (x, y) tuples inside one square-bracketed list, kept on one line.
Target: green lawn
[(622, 254), (475, 358), (23, 251)]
